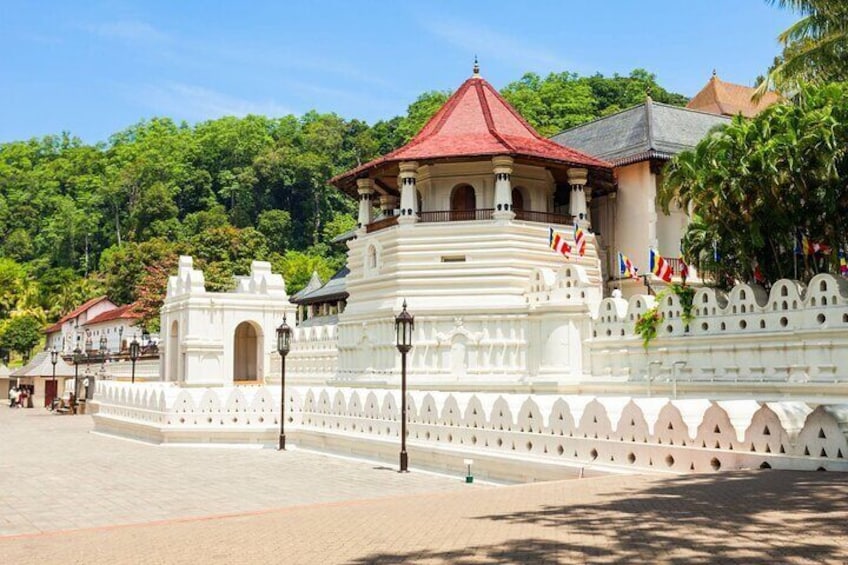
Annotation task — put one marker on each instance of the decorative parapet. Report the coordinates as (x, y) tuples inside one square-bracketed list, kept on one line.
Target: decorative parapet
[(569, 285), (262, 281), (746, 309), (187, 281), (640, 433)]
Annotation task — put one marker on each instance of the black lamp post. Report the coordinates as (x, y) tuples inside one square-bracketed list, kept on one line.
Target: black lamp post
[(283, 347), (135, 351), (54, 358), (77, 361), (404, 324)]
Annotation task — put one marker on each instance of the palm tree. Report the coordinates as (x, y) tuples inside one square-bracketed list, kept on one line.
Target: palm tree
[(815, 47)]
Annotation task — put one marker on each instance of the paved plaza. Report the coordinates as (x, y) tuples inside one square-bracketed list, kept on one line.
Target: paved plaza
[(70, 496)]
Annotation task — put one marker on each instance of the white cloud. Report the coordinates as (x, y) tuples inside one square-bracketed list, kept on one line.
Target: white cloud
[(485, 42), (128, 30), (194, 103)]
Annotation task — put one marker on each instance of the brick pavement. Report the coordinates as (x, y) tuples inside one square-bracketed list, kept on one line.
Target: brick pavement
[(741, 517), (754, 517), (54, 475)]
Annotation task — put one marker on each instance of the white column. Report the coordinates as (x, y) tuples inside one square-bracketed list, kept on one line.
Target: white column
[(502, 167), (577, 207), (388, 203), (366, 192), (408, 194)]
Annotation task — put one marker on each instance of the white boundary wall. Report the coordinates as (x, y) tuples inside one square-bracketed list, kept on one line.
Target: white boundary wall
[(511, 436)]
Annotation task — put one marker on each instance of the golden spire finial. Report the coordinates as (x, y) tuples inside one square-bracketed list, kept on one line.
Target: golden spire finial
[(476, 67), (715, 74)]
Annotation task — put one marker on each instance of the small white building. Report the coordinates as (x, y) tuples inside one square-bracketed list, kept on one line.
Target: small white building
[(217, 339), (119, 326), (65, 335)]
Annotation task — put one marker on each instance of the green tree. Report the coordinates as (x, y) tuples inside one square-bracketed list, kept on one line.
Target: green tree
[(276, 226), (124, 266), (755, 184), (815, 47), (21, 334)]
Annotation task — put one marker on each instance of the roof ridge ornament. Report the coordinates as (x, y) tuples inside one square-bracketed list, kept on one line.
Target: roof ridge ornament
[(476, 67)]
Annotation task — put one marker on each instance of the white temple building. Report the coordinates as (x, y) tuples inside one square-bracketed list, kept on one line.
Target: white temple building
[(523, 359)]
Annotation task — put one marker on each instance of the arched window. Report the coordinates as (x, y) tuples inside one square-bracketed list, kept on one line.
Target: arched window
[(372, 258), (463, 203), (517, 200)]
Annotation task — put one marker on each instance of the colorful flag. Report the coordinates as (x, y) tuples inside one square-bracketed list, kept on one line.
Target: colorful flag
[(579, 240), (659, 266), (684, 269), (759, 277), (557, 242), (625, 267), (809, 247), (843, 264)]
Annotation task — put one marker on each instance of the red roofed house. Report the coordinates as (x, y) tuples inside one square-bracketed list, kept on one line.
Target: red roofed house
[(457, 223), (118, 326), (63, 334)]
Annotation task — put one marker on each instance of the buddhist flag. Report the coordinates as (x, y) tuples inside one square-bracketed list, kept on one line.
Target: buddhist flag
[(684, 269), (759, 277), (625, 267), (809, 247), (557, 242), (843, 264), (659, 266), (580, 240)]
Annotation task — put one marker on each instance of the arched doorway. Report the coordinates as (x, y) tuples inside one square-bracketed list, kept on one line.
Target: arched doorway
[(174, 352), (463, 203), (517, 200), (247, 352)]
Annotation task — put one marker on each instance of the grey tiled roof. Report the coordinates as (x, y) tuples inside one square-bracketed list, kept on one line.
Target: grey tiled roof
[(314, 284), (649, 130), (334, 289), (41, 366)]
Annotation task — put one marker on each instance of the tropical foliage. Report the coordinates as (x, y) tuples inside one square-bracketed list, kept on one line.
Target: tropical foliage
[(756, 185), (815, 47)]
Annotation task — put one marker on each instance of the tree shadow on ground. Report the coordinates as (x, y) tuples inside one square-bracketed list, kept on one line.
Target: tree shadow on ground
[(739, 517)]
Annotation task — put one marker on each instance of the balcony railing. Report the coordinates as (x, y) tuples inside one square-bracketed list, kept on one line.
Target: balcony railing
[(544, 217), (382, 223), (456, 215), (472, 215)]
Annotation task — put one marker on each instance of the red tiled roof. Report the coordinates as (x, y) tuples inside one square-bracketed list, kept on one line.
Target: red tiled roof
[(475, 122), (729, 99), (121, 312), (74, 313)]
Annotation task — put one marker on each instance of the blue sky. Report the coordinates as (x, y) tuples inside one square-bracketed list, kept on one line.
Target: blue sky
[(93, 68)]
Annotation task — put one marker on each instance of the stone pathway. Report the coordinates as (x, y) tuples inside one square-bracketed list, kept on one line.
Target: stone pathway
[(341, 513), (54, 475)]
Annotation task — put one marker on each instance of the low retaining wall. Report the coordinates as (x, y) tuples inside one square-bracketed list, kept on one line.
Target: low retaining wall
[(510, 436)]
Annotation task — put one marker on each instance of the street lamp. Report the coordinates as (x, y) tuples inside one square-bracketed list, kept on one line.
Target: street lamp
[(135, 351), (404, 324), (77, 361), (283, 347), (54, 358)]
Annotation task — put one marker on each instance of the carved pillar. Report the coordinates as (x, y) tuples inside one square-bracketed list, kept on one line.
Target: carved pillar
[(366, 192), (577, 206), (388, 203), (408, 194), (502, 167)]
